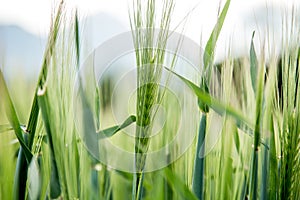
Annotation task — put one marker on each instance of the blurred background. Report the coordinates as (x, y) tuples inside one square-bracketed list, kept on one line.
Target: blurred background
[(24, 26)]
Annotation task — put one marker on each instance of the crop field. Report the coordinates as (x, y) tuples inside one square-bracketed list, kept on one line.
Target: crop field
[(149, 114)]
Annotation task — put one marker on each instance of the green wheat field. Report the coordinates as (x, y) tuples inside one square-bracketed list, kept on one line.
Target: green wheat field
[(254, 102)]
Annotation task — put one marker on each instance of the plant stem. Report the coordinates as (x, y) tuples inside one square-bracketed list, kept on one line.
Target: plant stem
[(199, 171)]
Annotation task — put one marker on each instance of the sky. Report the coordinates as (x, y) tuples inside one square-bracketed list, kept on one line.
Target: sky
[(243, 17)]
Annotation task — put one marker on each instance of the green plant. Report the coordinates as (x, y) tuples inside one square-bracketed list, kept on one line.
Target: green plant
[(150, 53), (254, 155)]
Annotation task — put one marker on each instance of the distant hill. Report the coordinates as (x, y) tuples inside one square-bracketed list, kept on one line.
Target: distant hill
[(20, 51)]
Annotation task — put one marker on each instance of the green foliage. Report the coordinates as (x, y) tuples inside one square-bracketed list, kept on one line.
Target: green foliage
[(113, 130), (253, 64), (12, 117), (259, 87), (239, 153), (150, 55)]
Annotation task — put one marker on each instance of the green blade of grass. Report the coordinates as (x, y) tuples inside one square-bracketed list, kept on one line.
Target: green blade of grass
[(20, 174), (253, 64), (242, 122), (113, 130), (177, 185), (226, 178), (33, 118), (203, 107), (212, 41), (198, 176), (209, 51), (213, 103), (55, 189), (12, 117), (89, 128), (236, 140), (244, 188), (32, 122), (273, 166), (77, 43), (270, 165), (264, 171), (208, 59), (257, 133)]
